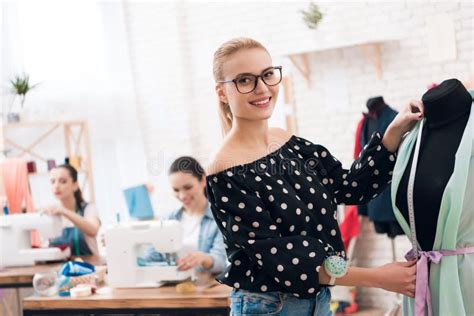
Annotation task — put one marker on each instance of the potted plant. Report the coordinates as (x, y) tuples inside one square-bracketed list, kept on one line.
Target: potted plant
[(20, 86), (312, 16)]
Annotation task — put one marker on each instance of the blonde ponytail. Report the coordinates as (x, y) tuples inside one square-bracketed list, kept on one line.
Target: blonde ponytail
[(226, 117), (220, 56)]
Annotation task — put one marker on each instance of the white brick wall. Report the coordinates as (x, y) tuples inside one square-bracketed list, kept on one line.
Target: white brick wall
[(172, 46)]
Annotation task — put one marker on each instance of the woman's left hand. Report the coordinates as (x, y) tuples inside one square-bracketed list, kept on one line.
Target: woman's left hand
[(53, 210), (408, 116), (403, 123), (192, 260)]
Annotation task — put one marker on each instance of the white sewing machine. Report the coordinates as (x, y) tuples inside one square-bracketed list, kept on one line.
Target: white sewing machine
[(15, 239), (124, 241)]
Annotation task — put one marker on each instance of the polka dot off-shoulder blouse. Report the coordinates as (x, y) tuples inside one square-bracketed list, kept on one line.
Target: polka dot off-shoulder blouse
[(278, 214)]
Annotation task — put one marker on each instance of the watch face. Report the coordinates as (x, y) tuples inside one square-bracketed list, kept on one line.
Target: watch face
[(335, 266)]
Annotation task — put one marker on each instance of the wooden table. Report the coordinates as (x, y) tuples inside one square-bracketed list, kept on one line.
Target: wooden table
[(23, 276), (210, 298)]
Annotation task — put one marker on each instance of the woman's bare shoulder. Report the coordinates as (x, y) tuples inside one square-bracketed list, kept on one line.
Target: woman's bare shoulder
[(280, 134), (230, 154), (224, 158)]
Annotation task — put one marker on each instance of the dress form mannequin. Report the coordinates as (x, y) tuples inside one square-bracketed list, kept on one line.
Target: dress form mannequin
[(447, 110), (375, 105)]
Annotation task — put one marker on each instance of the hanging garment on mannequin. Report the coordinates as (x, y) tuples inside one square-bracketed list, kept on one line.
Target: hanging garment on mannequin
[(443, 202), (379, 210)]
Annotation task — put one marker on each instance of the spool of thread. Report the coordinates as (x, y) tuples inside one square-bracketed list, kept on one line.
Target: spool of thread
[(4, 204), (31, 166), (82, 291), (51, 164), (93, 287), (75, 161)]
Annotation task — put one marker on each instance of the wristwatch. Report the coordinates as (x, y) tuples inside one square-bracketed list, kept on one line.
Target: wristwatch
[(335, 267)]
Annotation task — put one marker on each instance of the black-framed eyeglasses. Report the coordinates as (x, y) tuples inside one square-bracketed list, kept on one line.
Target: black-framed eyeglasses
[(247, 83)]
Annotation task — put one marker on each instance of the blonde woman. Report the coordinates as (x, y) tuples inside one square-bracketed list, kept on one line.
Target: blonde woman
[(274, 196)]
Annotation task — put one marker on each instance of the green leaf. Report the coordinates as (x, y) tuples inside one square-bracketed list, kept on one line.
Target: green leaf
[(312, 16), (20, 85)]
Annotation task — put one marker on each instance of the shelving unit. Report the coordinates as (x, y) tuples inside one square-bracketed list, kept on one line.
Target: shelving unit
[(370, 47), (76, 142)]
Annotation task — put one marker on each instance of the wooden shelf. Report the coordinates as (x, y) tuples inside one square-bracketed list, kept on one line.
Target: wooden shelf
[(46, 173), (76, 143), (371, 48), (38, 124)]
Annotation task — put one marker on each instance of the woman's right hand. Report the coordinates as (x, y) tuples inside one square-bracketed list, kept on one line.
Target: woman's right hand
[(398, 277), (53, 210)]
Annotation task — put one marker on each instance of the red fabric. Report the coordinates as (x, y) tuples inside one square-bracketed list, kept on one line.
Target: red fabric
[(350, 226), (17, 189), (15, 181), (31, 166), (432, 85), (357, 146)]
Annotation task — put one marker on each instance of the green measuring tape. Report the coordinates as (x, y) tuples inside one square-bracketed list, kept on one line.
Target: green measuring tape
[(76, 235)]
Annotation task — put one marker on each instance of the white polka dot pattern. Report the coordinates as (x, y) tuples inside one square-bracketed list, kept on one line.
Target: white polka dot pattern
[(277, 214)]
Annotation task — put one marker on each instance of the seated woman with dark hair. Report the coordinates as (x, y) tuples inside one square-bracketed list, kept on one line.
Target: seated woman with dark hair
[(201, 237), (80, 220)]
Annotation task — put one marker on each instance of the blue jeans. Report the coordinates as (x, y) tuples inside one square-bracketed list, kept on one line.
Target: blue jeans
[(244, 303)]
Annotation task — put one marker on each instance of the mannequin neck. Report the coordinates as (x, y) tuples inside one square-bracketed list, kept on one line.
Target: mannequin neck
[(375, 111), (446, 103)]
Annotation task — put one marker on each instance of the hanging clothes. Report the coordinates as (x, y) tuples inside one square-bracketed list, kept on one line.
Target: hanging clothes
[(350, 226), (15, 180), (14, 173), (361, 209), (450, 279), (357, 144), (380, 210)]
